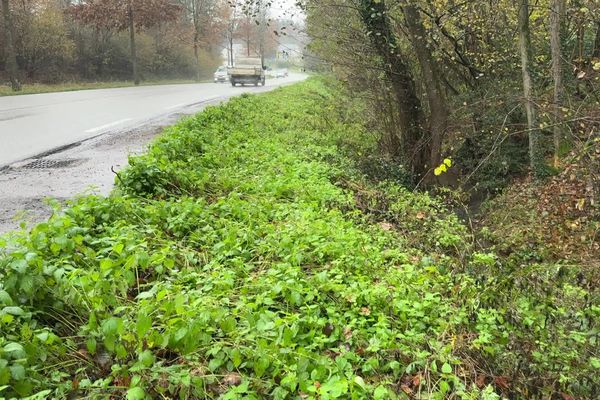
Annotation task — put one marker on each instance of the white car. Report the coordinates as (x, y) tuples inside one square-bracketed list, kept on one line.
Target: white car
[(221, 75)]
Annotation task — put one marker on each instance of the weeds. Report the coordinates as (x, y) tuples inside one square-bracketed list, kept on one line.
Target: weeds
[(241, 258)]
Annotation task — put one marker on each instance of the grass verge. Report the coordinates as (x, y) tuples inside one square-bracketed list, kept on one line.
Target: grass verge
[(245, 257), (38, 88)]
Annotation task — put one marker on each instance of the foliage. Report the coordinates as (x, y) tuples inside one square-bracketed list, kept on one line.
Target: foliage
[(66, 41), (245, 257), (473, 50), (68, 87)]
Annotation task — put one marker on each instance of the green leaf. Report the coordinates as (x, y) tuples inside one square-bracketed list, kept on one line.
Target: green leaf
[(5, 298), (380, 393), (91, 345), (111, 326), (261, 365), (17, 372), (446, 368), (13, 311), (136, 393), (228, 324), (146, 358), (214, 364), (359, 381), (143, 325), (14, 348), (236, 357), (144, 295), (19, 265), (106, 264)]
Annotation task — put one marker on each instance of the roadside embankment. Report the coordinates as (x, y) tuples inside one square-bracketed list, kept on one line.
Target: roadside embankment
[(246, 256)]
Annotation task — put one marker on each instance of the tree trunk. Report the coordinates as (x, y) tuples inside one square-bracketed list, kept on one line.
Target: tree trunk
[(231, 50), (248, 42), (134, 63), (557, 17), (397, 73), (11, 56), (438, 118), (536, 155), (196, 53), (580, 42), (596, 52)]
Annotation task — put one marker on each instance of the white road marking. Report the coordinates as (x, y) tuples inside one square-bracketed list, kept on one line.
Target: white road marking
[(103, 127)]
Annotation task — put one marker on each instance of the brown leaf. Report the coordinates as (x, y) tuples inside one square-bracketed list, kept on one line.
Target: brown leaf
[(406, 389), (501, 382), (416, 380), (420, 215), (386, 226), (480, 381), (365, 311), (567, 397), (347, 333), (233, 379)]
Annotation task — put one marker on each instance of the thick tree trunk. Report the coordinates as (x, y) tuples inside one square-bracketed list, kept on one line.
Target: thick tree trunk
[(536, 155), (438, 118), (410, 115), (557, 18), (134, 63), (11, 56)]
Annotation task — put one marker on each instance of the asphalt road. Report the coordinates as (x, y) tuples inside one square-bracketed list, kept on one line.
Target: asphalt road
[(39, 123)]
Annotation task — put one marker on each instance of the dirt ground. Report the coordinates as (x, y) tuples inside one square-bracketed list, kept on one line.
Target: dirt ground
[(85, 167)]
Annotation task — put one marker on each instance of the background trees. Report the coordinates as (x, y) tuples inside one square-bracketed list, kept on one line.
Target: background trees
[(54, 41)]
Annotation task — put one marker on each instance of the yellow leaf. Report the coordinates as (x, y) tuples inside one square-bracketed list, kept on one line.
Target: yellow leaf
[(448, 162), (437, 171)]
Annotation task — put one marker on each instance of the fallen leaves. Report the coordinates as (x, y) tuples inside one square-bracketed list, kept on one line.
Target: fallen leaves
[(233, 379)]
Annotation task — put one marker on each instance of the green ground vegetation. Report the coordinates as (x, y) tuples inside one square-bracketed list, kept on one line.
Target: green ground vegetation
[(37, 88), (246, 256)]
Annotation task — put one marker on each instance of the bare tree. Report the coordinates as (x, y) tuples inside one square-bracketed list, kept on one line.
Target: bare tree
[(201, 13), (131, 15)]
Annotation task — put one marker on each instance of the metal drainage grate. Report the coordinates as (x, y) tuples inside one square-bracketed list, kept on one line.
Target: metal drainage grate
[(50, 164)]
